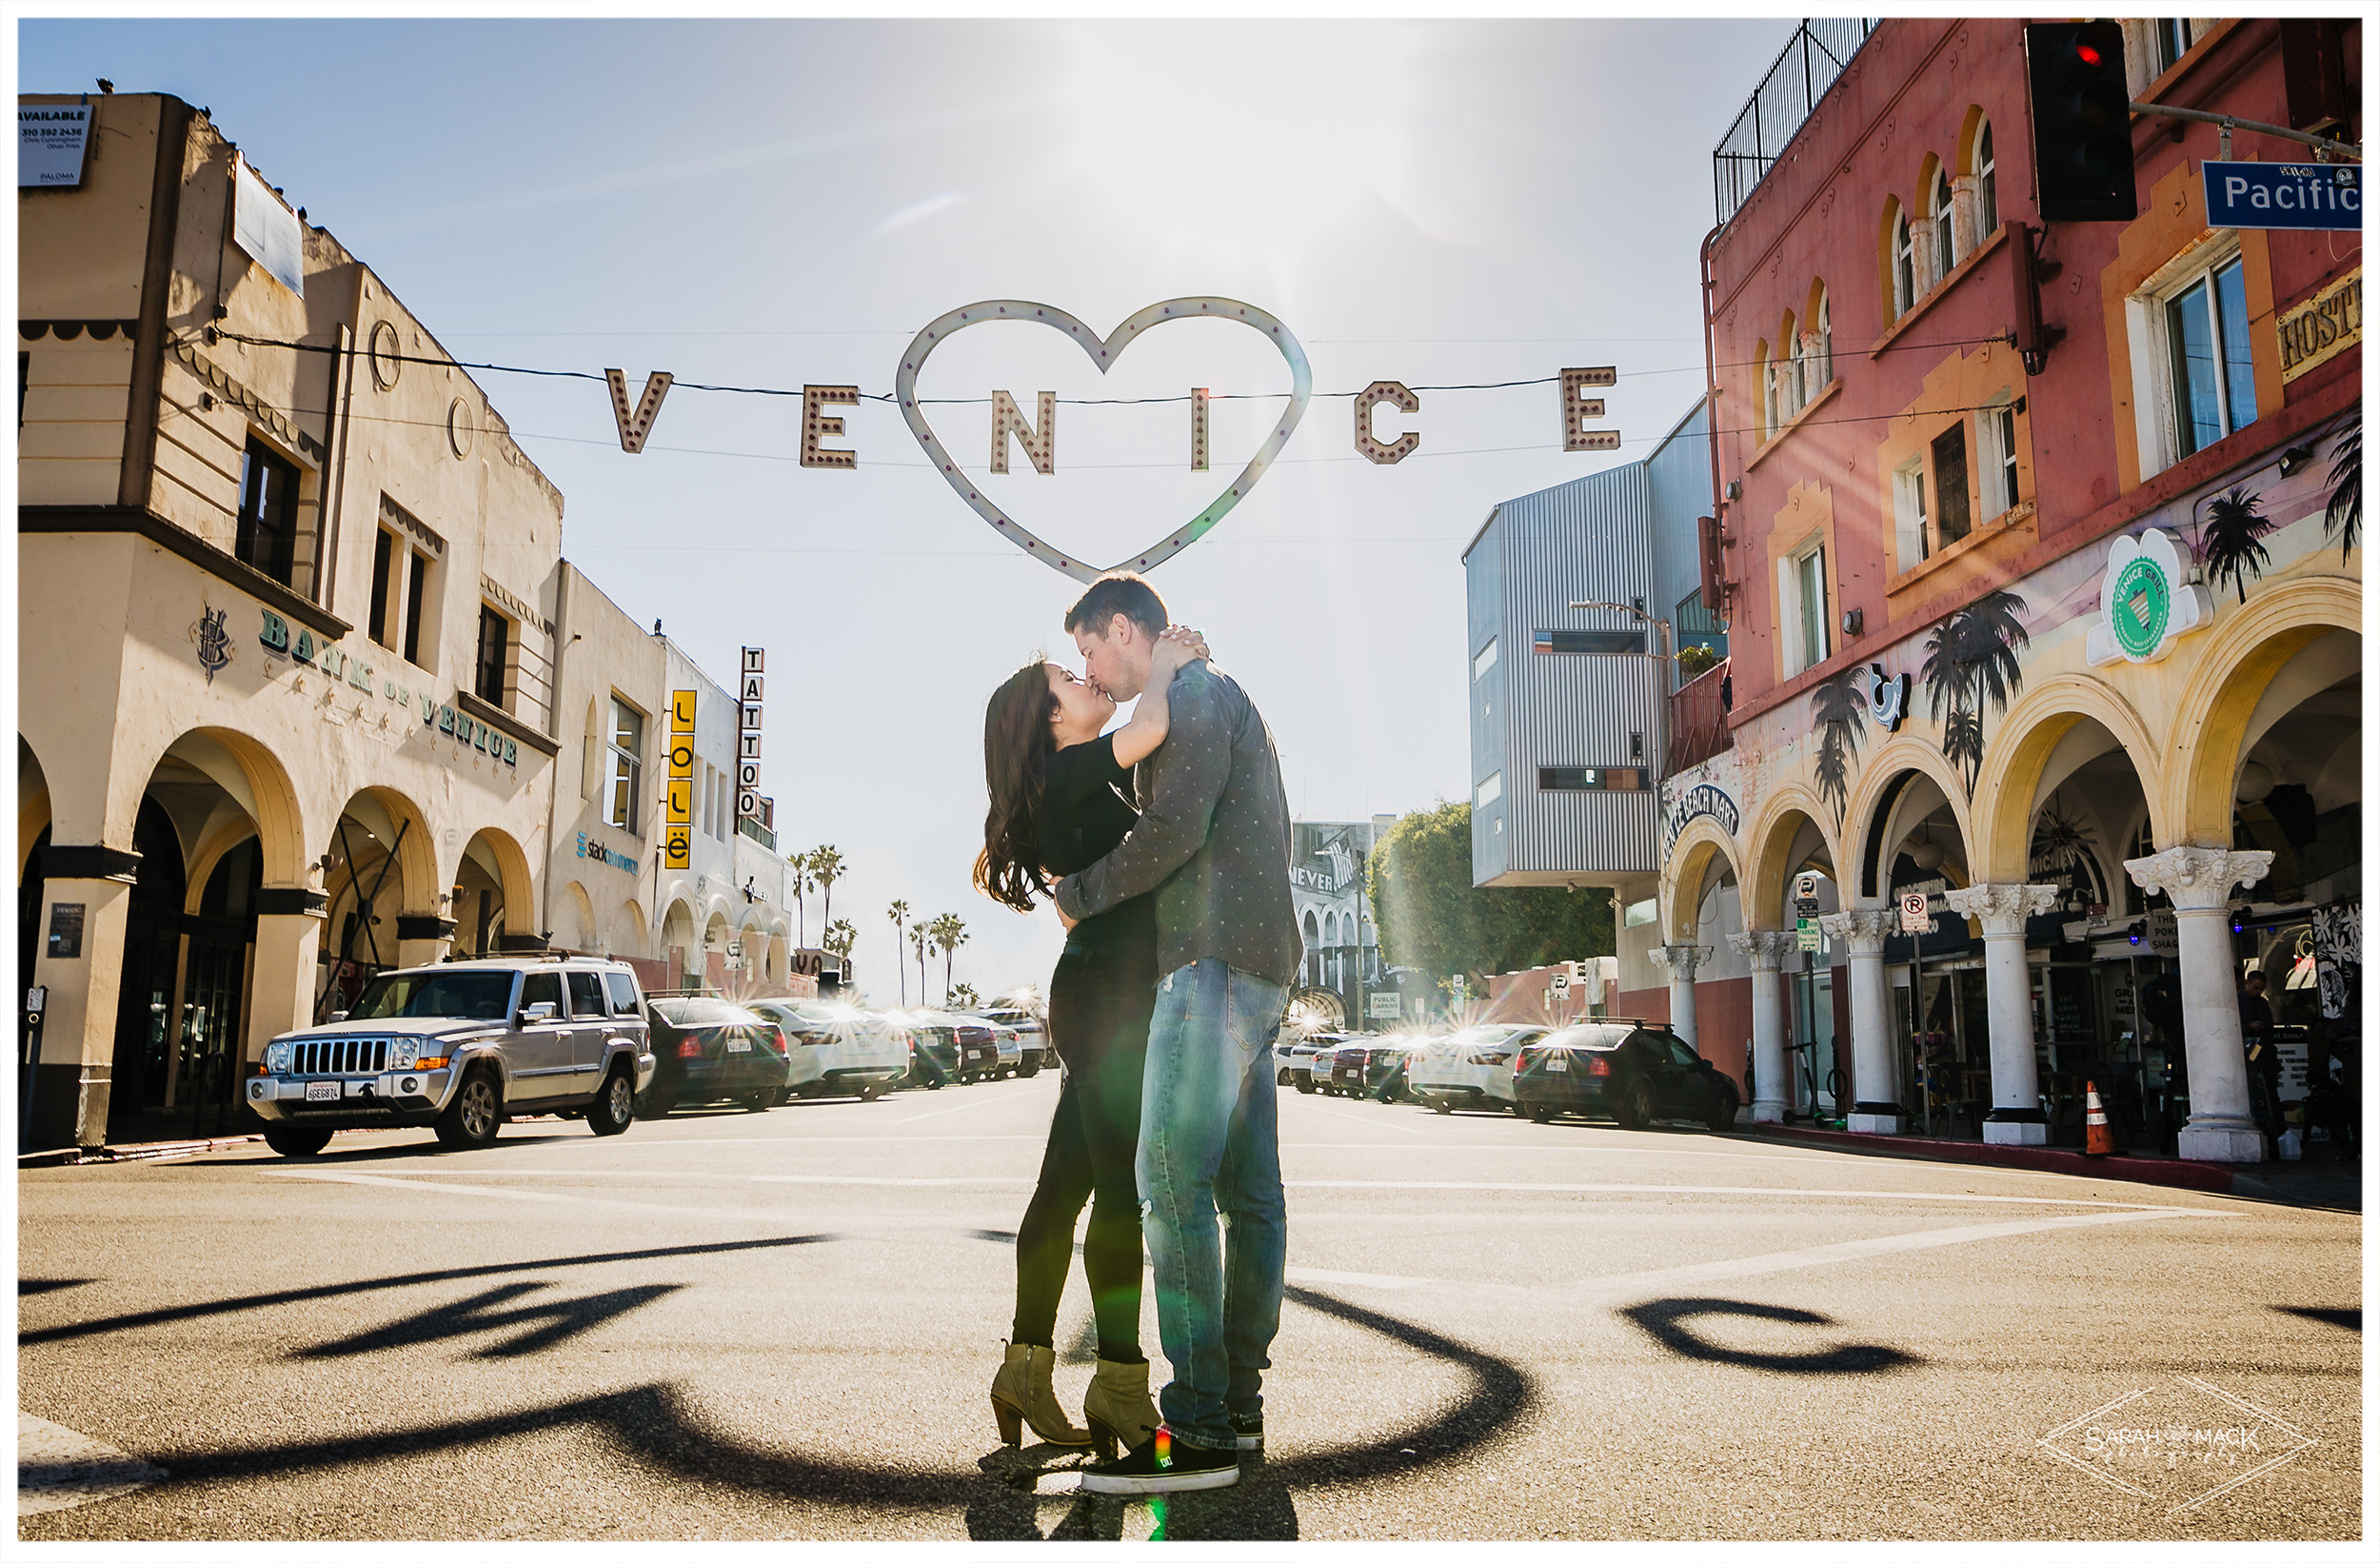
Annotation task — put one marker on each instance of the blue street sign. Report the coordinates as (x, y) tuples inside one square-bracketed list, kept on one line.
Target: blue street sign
[(2300, 195)]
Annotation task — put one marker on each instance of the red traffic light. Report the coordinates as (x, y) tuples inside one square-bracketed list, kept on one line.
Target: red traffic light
[(2087, 55)]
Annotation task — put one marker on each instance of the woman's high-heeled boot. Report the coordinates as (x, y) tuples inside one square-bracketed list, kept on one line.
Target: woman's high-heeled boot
[(1118, 1408), (1021, 1392)]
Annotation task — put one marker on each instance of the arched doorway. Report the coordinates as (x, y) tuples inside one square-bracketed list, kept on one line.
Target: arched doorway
[(378, 866), (1790, 885), (1912, 841), (495, 910)]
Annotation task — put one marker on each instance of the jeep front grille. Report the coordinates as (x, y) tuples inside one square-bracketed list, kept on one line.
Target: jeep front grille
[(341, 1055)]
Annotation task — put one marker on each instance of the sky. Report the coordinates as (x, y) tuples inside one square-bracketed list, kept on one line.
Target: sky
[(771, 203)]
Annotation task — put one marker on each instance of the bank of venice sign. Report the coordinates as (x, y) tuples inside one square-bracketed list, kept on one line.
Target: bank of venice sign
[(2145, 602)]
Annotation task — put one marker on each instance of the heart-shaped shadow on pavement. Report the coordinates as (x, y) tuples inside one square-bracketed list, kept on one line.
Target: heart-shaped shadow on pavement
[(1103, 352)]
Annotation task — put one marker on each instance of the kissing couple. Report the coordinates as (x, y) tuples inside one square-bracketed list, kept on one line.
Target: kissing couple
[(1164, 846)]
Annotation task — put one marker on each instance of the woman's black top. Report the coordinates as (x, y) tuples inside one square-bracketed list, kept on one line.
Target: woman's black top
[(1083, 816)]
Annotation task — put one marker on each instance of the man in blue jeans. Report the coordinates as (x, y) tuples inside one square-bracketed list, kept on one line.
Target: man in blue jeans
[(1213, 842)]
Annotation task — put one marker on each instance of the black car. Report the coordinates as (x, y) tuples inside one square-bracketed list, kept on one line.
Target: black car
[(1370, 1066), (979, 1052), (1633, 1072), (711, 1050), (934, 1052)]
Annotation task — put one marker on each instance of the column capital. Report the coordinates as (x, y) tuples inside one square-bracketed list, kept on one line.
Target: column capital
[(1680, 961), (2002, 908), (1766, 951), (1864, 928), (2198, 878)]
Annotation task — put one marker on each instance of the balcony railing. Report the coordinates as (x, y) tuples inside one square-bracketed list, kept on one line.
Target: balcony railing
[(758, 832), (1807, 66), (1698, 719)]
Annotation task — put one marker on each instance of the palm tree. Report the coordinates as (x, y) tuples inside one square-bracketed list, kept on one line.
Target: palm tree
[(801, 861), (1837, 704), (2344, 516), (920, 935), (948, 932), (898, 915), (2234, 523), (838, 939), (826, 867)]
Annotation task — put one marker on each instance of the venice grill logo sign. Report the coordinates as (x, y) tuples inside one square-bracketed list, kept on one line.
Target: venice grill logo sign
[(2145, 602)]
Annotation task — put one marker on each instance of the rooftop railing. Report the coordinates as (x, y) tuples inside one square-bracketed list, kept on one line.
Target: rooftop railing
[(1807, 66), (1698, 719)]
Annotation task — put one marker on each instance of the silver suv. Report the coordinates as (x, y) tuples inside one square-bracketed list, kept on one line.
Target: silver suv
[(459, 1048)]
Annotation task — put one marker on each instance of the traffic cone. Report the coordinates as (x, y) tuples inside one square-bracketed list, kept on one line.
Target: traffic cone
[(2098, 1139)]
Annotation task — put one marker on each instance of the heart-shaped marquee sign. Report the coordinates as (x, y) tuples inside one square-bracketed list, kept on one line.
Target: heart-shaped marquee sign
[(1103, 352)]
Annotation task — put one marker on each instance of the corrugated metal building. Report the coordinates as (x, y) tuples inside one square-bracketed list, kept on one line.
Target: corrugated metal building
[(1567, 704)]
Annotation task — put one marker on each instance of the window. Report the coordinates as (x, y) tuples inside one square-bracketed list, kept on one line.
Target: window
[(1996, 454), (1697, 625), (1952, 520), (2169, 40), (542, 988), (416, 589), (1485, 660), (1909, 515), (1938, 220), (1490, 790), (623, 989), (384, 557), (1801, 591), (495, 651), (1987, 186), (2214, 383), (267, 529), (1589, 779), (1826, 341), (586, 994), (1904, 266), (627, 765), (1767, 390), (1606, 642), (1797, 367)]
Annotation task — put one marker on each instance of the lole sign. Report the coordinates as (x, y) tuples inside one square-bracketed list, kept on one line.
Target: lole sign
[(2272, 195)]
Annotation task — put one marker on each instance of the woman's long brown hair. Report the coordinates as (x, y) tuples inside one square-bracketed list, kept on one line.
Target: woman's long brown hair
[(1017, 746)]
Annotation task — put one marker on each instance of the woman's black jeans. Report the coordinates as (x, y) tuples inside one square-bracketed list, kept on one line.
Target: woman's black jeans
[(1100, 1003)]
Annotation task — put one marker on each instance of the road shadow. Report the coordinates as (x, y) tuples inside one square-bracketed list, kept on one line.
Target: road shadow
[(657, 1426), (27, 1287), (2346, 1318), (419, 1278), (556, 1322), (1666, 1321)]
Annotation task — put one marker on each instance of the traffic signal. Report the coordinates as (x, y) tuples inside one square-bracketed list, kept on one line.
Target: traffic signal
[(2082, 136)]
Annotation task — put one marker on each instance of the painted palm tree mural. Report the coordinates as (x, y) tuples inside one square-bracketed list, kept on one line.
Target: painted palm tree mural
[(2064, 850), (1837, 707), (2230, 543), (1971, 664), (2344, 517)]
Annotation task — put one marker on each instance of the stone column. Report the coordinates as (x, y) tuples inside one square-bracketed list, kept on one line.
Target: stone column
[(73, 1077), (281, 991), (1965, 203), (2017, 1117), (2198, 879), (1874, 1071), (1770, 1082), (1680, 961)]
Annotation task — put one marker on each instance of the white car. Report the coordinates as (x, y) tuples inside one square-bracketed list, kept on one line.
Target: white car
[(1472, 1068), (839, 1050)]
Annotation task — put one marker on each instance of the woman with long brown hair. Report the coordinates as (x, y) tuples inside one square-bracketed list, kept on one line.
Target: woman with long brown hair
[(1061, 793)]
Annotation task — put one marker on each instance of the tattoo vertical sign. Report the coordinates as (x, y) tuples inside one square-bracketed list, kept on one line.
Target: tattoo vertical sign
[(748, 735), (678, 824)]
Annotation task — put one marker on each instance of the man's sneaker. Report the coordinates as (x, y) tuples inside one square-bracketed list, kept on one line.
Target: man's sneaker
[(1164, 1464), (1249, 1425)]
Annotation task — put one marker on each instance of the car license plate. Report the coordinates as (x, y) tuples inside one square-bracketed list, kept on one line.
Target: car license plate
[(321, 1090), (739, 1044), (1557, 1066)]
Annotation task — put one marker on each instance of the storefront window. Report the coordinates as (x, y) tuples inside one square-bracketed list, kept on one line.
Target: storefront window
[(627, 765)]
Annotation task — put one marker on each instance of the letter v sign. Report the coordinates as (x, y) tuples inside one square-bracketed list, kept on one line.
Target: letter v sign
[(634, 428)]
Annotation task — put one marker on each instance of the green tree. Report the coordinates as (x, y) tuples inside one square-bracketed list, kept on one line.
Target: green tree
[(919, 936), (827, 867), (898, 914), (839, 938), (948, 932), (800, 863), (1430, 917), (964, 996)]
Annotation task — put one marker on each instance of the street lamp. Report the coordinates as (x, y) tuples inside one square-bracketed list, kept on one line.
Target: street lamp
[(1661, 695)]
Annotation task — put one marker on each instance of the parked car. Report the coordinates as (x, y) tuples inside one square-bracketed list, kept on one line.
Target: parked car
[(934, 1051), (838, 1050), (1293, 1056), (979, 1050), (1032, 1036), (711, 1050), (1472, 1068), (1011, 1050), (1388, 1067), (459, 1048), (1635, 1072)]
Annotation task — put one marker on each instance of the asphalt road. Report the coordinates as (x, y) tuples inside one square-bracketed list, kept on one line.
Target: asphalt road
[(736, 1326)]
